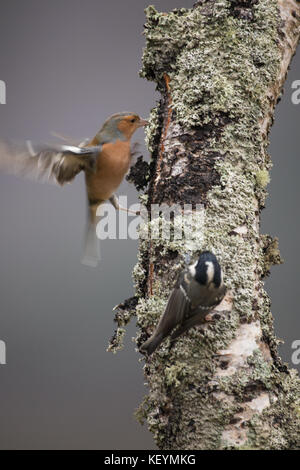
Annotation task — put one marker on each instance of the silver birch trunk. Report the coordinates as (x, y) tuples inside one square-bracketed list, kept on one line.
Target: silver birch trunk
[(220, 68)]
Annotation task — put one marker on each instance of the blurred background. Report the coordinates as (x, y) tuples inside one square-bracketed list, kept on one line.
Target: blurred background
[(68, 65)]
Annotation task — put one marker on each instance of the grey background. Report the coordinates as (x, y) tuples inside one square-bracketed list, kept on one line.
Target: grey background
[(68, 65)]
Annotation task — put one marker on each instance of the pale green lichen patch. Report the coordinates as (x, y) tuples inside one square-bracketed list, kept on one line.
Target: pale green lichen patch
[(151, 129), (153, 305), (278, 427), (193, 48), (218, 65), (174, 374), (262, 178)]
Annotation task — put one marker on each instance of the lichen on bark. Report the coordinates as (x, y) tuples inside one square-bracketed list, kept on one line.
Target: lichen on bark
[(220, 67)]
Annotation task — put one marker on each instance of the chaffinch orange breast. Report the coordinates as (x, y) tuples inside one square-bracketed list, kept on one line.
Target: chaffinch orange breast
[(105, 160)]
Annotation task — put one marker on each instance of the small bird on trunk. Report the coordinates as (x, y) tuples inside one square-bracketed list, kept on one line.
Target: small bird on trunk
[(105, 160), (198, 290)]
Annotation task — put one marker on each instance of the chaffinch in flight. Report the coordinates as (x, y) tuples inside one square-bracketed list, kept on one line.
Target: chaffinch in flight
[(105, 161)]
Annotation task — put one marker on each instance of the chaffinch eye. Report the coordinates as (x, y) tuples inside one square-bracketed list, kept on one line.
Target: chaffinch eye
[(132, 120)]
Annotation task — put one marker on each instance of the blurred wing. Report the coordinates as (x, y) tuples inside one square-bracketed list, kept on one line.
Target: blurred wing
[(71, 140), (60, 163)]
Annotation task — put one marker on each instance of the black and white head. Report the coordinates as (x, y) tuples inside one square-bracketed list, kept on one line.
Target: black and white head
[(207, 270)]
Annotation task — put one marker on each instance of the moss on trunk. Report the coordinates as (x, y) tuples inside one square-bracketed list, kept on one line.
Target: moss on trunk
[(220, 68)]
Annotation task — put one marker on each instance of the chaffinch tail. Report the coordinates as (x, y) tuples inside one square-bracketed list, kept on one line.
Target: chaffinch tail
[(105, 160)]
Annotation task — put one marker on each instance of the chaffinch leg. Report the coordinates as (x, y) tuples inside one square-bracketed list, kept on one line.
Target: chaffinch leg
[(114, 200)]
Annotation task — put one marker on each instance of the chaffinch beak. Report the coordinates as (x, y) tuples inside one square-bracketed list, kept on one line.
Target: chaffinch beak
[(143, 122)]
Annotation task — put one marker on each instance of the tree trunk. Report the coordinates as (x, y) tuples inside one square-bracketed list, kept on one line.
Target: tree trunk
[(220, 68)]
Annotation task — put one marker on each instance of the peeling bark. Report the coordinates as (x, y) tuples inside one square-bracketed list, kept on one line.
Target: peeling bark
[(220, 68)]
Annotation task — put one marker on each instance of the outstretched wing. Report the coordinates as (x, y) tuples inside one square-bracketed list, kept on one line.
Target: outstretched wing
[(60, 163)]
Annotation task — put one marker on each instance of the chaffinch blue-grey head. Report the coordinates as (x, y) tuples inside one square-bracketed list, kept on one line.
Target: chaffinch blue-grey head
[(105, 160)]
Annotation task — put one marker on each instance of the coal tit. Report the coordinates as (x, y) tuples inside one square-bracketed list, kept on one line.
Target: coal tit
[(198, 289)]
